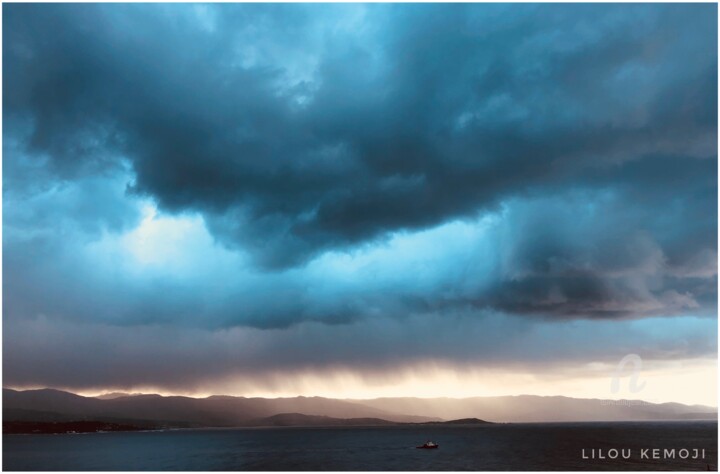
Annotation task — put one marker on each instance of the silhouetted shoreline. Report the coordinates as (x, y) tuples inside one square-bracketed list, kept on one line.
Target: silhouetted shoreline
[(282, 420), (68, 427)]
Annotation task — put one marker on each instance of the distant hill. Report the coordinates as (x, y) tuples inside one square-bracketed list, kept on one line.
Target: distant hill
[(298, 419), (55, 406), (463, 421), (531, 408), (215, 411)]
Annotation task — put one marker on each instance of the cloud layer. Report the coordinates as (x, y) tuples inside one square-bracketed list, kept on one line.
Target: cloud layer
[(209, 168)]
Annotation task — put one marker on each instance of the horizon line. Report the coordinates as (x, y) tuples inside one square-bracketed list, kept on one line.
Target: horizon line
[(168, 395)]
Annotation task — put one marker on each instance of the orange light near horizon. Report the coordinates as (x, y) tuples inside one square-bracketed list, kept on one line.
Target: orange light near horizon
[(688, 382)]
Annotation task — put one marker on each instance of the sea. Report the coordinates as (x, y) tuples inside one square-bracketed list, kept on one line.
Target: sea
[(633, 446)]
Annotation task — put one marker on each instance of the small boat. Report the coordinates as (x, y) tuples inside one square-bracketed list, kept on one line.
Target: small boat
[(428, 445)]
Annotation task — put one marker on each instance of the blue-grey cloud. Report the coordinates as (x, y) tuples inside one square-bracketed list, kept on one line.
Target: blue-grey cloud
[(358, 163)]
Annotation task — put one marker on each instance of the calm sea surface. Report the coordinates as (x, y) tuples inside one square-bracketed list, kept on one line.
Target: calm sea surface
[(548, 446)]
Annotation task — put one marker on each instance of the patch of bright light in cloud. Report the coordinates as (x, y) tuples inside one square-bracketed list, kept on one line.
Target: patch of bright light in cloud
[(165, 240), (181, 246), (173, 245)]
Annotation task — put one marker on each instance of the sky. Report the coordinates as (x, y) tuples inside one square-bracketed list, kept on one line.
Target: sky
[(361, 200)]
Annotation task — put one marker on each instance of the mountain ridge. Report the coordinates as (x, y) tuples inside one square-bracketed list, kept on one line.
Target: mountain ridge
[(225, 411), (229, 411)]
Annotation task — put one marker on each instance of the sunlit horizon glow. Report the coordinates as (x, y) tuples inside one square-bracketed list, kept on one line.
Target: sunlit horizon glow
[(688, 382)]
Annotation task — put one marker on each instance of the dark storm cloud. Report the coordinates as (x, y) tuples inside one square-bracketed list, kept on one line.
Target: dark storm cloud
[(388, 184), (418, 115), (589, 130)]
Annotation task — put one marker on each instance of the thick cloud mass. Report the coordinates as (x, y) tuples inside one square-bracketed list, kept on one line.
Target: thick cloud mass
[(220, 166)]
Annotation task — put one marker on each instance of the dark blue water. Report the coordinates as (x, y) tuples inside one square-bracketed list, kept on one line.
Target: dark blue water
[(556, 446)]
